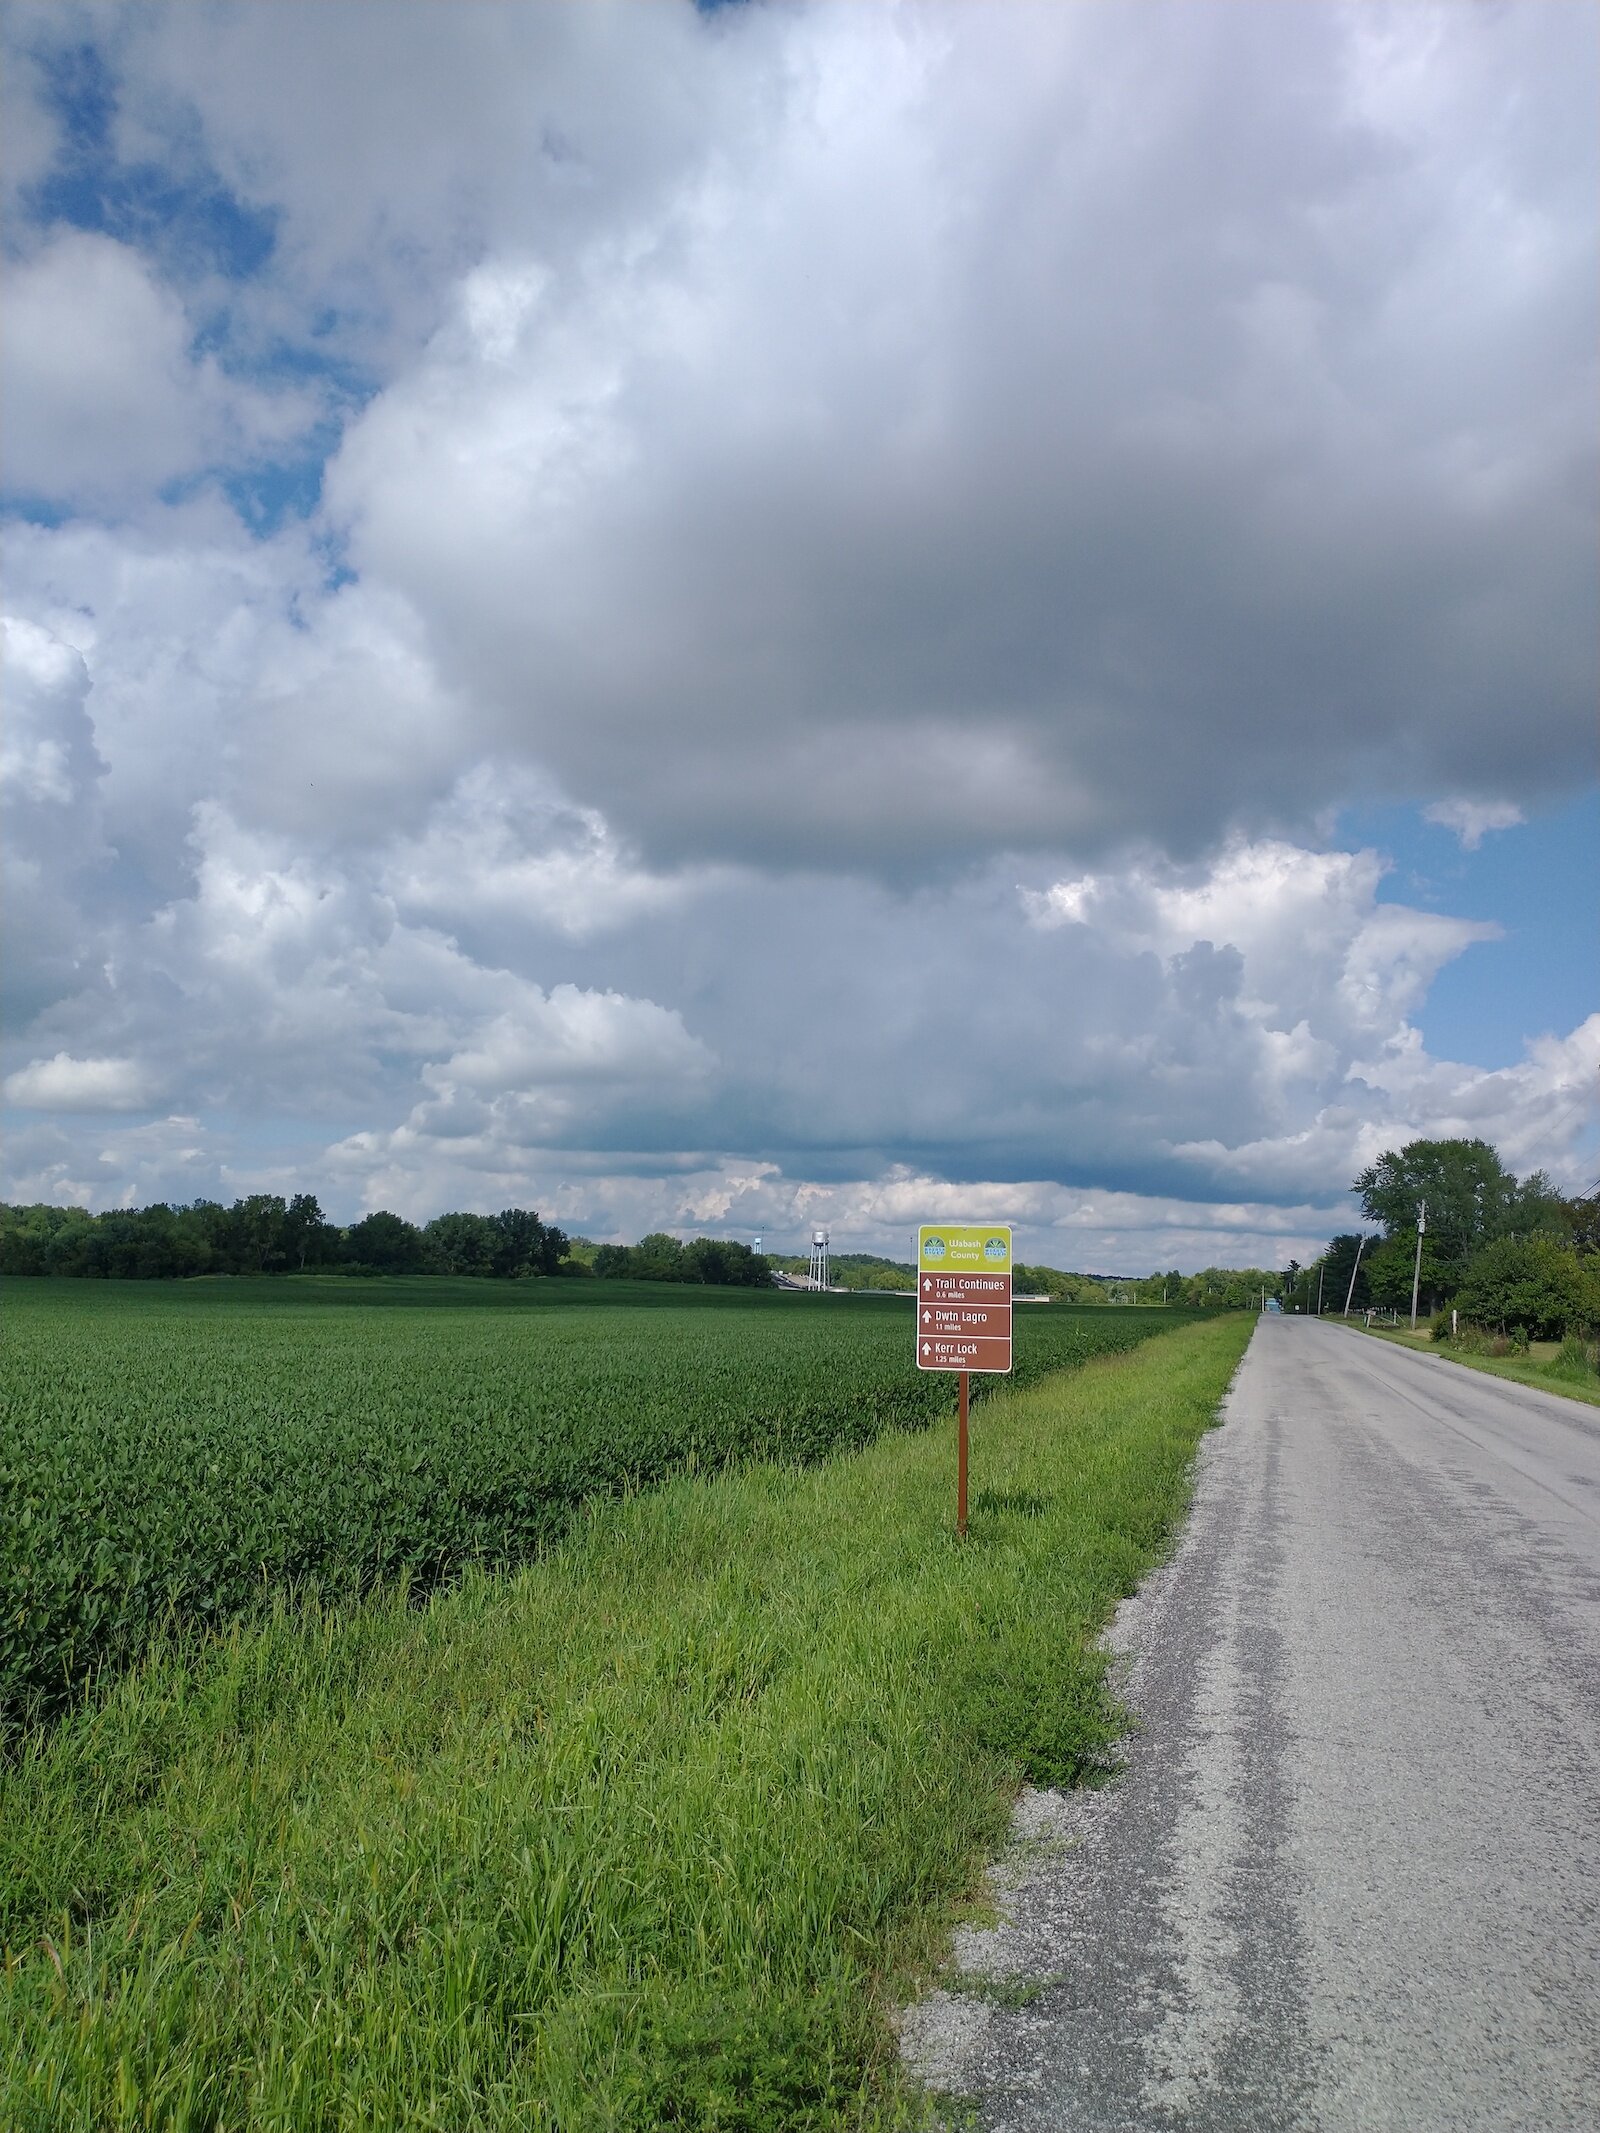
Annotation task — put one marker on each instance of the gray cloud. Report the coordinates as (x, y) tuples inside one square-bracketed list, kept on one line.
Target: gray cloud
[(827, 436), (1126, 461), (1237, 1030), (51, 774), (871, 541)]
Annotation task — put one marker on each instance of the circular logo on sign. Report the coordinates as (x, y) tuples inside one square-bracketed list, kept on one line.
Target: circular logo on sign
[(995, 1248), (933, 1248)]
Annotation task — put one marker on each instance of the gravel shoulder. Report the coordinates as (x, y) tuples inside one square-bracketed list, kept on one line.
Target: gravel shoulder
[(1350, 1874)]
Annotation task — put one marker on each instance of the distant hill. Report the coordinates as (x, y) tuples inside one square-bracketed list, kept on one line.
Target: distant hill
[(853, 1270)]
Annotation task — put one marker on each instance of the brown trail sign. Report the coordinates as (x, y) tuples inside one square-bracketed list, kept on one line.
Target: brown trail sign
[(963, 1314)]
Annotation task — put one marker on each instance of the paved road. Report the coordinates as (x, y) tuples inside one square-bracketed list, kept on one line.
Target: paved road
[(1350, 1877)]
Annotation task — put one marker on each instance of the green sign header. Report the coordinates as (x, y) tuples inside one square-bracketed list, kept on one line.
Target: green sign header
[(964, 1248)]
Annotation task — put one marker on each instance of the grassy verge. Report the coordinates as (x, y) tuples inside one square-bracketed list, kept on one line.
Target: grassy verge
[(630, 1839), (1522, 1370)]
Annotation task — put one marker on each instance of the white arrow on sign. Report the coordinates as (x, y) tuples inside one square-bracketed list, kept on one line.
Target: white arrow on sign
[(926, 1348)]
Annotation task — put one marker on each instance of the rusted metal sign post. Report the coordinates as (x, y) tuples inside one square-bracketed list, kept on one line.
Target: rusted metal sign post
[(963, 1314)]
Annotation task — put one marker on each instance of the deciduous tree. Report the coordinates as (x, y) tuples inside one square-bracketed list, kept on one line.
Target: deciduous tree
[(1529, 1285), (1471, 1197), (386, 1243)]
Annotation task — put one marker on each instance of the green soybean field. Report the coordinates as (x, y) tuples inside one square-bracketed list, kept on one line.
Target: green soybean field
[(176, 1456)]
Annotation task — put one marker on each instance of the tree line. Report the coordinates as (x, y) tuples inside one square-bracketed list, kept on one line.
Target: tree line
[(1509, 1255), (718, 1262), (265, 1233)]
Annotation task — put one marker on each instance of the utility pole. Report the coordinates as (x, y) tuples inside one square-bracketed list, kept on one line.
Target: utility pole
[(1416, 1275), (1361, 1245), (1319, 1288)]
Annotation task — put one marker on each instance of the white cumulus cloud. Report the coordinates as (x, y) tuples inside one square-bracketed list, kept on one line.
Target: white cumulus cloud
[(830, 572), (103, 397), (63, 1083), (1471, 820)]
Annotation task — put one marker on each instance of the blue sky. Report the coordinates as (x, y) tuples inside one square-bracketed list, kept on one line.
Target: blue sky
[(177, 210), (715, 619), (1538, 881)]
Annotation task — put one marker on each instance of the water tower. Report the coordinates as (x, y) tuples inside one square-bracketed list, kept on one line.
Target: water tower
[(818, 1269)]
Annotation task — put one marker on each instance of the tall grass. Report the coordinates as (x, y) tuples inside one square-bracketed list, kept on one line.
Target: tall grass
[(1570, 1370), (626, 1840)]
